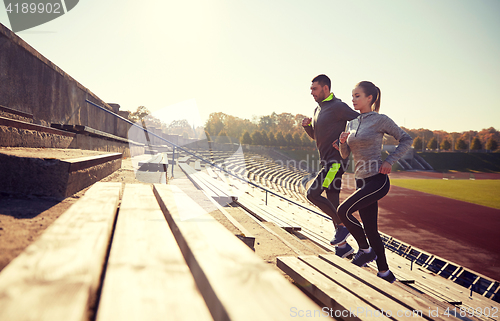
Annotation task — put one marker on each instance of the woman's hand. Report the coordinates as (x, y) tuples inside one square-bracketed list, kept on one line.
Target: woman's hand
[(343, 137), (385, 168)]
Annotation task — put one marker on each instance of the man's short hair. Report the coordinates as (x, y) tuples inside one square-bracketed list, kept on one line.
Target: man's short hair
[(323, 80)]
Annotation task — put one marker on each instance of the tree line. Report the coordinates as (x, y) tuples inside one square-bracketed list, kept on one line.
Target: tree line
[(283, 129), (286, 130), (439, 140)]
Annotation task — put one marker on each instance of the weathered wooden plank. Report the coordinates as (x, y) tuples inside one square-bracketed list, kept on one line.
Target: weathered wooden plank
[(311, 229), (190, 172), (250, 205), (147, 277), (211, 173), (156, 159), (277, 214), (245, 236), (375, 298), (330, 294), (236, 284), (57, 277), (441, 288), (209, 185), (395, 292), (313, 237), (197, 165), (204, 182), (184, 159), (219, 187)]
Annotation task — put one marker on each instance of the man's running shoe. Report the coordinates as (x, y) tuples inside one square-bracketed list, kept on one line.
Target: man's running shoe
[(341, 234), (389, 277), (362, 258), (344, 252)]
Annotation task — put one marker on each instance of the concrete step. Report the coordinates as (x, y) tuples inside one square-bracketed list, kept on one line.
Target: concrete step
[(17, 133), (15, 114), (53, 172)]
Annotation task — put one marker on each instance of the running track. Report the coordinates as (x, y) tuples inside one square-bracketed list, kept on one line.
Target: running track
[(464, 233)]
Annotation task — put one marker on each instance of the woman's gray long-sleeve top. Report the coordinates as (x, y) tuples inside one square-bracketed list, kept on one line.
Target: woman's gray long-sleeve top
[(365, 142)]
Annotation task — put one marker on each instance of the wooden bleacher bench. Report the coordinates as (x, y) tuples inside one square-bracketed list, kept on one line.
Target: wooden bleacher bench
[(439, 287), (183, 159), (145, 256), (255, 207), (218, 189), (197, 165), (204, 182), (211, 172), (331, 295), (234, 282), (168, 259), (440, 302), (424, 268), (158, 162), (310, 227), (338, 284), (57, 277)]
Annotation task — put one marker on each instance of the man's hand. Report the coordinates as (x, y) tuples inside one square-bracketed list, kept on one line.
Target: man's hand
[(335, 144), (385, 168), (306, 121)]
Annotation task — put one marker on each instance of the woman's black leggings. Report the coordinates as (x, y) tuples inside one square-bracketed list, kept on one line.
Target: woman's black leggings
[(365, 200)]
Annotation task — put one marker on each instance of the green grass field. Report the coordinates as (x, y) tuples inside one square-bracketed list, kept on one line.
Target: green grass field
[(483, 192)]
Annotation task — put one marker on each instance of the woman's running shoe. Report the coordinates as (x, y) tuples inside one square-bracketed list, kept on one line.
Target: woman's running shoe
[(344, 252), (389, 277), (341, 234), (362, 258)]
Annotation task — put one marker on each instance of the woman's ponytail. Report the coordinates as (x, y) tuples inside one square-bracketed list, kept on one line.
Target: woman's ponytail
[(376, 104)]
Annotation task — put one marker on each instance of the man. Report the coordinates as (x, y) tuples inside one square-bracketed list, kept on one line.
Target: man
[(330, 118)]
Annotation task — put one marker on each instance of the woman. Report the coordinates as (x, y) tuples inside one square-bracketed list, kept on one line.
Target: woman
[(363, 137)]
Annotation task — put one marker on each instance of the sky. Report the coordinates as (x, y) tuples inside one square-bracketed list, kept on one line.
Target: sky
[(437, 63)]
